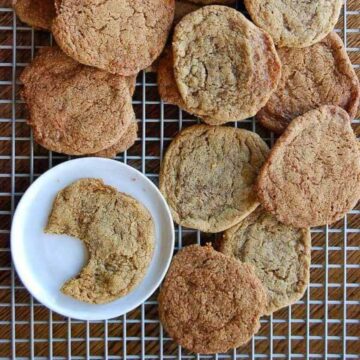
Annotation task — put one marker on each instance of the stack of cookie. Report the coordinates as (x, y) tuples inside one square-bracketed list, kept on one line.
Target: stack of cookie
[(79, 94), (223, 179)]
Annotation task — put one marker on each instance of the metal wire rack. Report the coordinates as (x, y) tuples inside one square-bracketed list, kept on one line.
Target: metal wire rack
[(325, 324)]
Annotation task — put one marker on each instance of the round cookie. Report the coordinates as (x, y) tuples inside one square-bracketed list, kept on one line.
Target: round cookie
[(118, 232), (126, 141), (279, 253), (36, 13), (225, 67), (321, 74), (312, 176), (119, 36), (75, 109), (207, 176), (295, 23), (210, 302)]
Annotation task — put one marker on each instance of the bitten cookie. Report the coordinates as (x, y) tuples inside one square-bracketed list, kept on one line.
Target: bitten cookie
[(210, 302), (280, 255), (119, 36), (75, 109), (225, 67), (36, 13), (295, 23), (312, 176), (321, 74), (118, 232), (208, 173)]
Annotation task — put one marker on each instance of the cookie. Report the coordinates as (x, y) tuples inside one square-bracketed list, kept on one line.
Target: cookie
[(119, 36), (131, 81), (126, 141), (167, 86), (210, 2), (210, 302), (279, 253), (312, 176), (207, 176), (321, 74), (295, 23), (225, 67), (183, 8), (36, 13), (118, 232), (75, 109)]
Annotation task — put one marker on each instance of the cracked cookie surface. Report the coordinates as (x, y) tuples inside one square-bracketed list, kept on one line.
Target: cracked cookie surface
[(210, 302), (75, 109), (312, 175), (207, 176), (279, 253), (225, 67), (321, 74), (119, 36), (118, 232), (295, 23), (36, 13)]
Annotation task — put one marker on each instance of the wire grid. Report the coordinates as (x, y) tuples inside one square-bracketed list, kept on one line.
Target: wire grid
[(325, 324)]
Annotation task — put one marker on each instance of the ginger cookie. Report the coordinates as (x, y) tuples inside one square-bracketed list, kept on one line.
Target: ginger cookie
[(167, 86), (208, 175), (118, 232), (211, 2), (279, 253), (75, 109), (321, 74), (312, 176), (36, 13), (119, 36), (126, 141), (210, 302), (225, 67), (295, 23), (183, 8)]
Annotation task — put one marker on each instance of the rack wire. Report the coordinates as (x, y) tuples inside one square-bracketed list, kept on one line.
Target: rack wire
[(325, 324)]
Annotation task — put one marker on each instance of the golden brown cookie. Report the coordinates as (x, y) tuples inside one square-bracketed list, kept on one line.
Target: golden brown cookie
[(126, 141), (211, 2), (118, 232), (312, 176), (119, 36), (225, 67), (208, 173), (167, 86), (183, 8), (279, 253), (210, 302), (36, 13), (321, 74), (295, 23), (75, 109)]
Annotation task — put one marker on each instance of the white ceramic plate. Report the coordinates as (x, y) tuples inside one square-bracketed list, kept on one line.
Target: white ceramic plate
[(44, 262)]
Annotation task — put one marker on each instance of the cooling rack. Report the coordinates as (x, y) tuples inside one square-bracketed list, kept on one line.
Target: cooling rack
[(325, 324)]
